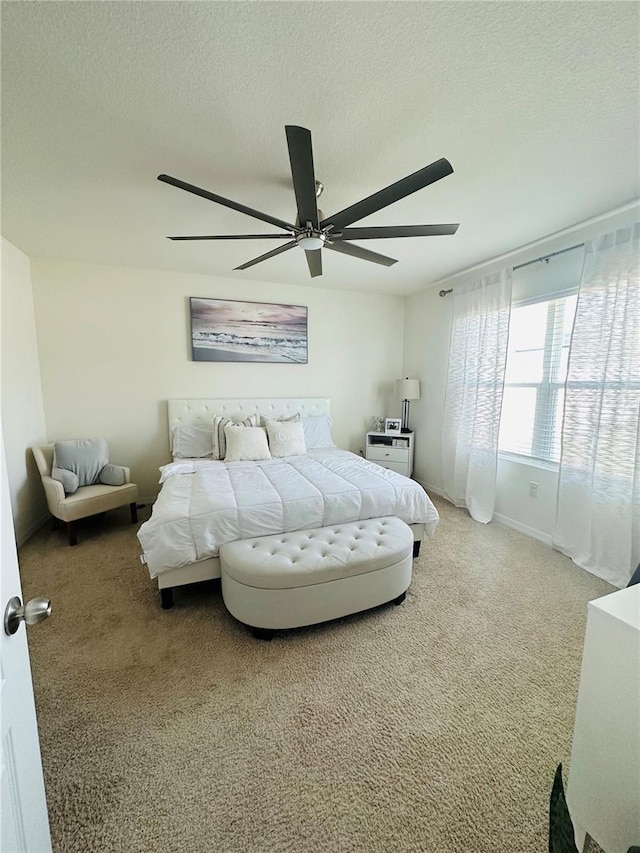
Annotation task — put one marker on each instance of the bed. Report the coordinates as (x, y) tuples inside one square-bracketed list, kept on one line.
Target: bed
[(204, 503)]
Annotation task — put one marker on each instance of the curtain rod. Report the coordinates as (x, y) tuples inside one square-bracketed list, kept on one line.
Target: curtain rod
[(565, 232), (534, 261), (550, 255)]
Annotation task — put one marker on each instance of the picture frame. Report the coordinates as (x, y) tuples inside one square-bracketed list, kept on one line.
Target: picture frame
[(393, 425), (234, 330)]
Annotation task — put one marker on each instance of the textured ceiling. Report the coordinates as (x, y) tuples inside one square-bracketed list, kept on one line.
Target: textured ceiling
[(535, 104)]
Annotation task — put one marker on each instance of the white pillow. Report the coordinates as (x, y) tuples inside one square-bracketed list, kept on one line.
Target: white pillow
[(317, 431), (286, 438), (219, 440), (191, 442), (246, 443)]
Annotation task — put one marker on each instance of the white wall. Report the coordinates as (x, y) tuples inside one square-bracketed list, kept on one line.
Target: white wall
[(115, 345), (23, 421), (426, 344), (426, 350)]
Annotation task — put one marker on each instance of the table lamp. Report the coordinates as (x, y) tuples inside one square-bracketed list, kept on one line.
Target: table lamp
[(407, 389)]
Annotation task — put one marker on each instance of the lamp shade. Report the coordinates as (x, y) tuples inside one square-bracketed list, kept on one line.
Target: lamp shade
[(408, 389)]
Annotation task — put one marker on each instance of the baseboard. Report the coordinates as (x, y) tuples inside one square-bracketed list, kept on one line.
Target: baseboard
[(503, 519), (428, 487), (32, 529), (523, 528)]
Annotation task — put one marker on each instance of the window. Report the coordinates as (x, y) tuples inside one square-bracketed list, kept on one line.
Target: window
[(537, 359)]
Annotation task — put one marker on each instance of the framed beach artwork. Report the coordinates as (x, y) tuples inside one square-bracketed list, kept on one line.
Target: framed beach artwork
[(230, 330)]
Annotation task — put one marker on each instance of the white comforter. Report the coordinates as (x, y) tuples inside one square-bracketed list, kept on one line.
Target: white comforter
[(204, 504)]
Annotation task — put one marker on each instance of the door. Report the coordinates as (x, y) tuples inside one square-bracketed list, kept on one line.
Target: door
[(24, 824)]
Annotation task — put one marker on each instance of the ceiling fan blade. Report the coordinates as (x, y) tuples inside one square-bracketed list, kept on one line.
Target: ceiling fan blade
[(314, 260), (271, 254), (359, 252), (394, 231), (304, 181), (175, 182), (394, 192), (236, 237)]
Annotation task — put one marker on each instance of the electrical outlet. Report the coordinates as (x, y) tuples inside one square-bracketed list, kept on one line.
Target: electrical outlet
[(533, 489)]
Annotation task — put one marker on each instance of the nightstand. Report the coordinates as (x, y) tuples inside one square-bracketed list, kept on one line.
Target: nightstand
[(391, 451)]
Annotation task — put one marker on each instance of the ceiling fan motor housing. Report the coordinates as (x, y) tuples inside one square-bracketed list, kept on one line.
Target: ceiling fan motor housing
[(311, 238)]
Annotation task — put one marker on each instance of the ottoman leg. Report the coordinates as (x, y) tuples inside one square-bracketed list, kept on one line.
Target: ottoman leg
[(166, 598), (400, 598), (262, 634)]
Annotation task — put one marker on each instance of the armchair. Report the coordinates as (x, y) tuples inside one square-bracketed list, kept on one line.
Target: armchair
[(87, 500)]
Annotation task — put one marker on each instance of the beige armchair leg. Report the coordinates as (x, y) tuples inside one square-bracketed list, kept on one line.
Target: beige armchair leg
[(73, 533), (134, 512)]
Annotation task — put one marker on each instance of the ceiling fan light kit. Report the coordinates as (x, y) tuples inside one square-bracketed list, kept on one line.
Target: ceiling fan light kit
[(312, 232), (311, 240)]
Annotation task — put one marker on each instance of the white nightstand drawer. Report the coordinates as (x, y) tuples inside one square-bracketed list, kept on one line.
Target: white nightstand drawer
[(398, 467), (388, 454)]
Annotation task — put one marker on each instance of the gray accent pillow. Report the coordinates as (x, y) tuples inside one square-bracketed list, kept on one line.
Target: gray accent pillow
[(68, 479), (192, 442), (84, 457), (112, 475), (265, 418)]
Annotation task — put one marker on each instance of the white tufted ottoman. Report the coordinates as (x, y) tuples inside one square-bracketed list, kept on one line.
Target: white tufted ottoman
[(309, 576)]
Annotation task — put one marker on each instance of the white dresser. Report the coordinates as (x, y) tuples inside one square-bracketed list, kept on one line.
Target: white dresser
[(394, 451), (604, 777)]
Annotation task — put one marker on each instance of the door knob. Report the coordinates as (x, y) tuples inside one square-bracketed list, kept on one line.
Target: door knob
[(32, 612)]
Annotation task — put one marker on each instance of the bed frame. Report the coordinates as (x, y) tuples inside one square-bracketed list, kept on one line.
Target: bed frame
[(201, 412)]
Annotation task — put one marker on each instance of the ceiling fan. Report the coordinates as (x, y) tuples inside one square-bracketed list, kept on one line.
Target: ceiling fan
[(312, 231)]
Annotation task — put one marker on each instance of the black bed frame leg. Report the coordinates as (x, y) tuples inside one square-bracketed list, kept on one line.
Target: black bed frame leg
[(416, 549), (263, 634), (166, 597)]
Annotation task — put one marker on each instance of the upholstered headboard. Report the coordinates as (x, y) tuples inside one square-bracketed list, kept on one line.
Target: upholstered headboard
[(201, 412)]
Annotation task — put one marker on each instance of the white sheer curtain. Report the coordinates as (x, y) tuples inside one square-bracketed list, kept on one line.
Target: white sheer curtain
[(598, 520), (475, 381)]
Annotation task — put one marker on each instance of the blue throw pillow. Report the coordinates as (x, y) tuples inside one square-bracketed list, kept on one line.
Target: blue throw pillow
[(112, 475), (68, 479), (84, 457)]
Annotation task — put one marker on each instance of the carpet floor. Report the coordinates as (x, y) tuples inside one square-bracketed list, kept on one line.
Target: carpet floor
[(434, 726)]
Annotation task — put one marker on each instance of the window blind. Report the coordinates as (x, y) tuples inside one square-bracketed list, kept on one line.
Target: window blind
[(537, 359)]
